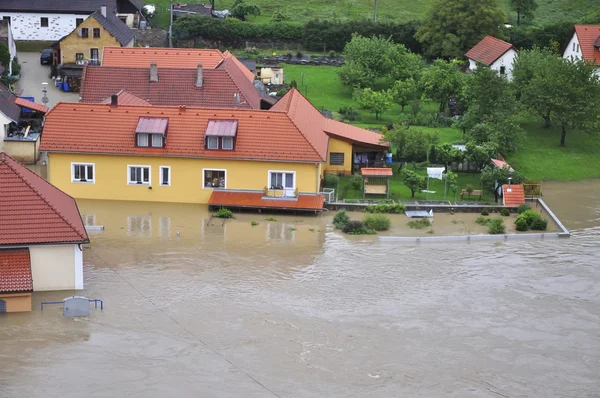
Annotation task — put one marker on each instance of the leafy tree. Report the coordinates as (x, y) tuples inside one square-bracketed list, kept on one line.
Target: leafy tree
[(441, 81), (524, 8), (404, 91), (279, 16), (376, 102), (454, 26), (446, 154), (492, 179), (241, 10), (414, 182), (480, 154), (417, 143), (567, 92)]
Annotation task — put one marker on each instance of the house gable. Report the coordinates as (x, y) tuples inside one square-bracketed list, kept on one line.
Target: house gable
[(75, 43)]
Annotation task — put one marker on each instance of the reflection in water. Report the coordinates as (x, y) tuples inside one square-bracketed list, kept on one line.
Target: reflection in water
[(308, 312)]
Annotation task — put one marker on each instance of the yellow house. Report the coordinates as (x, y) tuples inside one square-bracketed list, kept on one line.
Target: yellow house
[(87, 41), (221, 157)]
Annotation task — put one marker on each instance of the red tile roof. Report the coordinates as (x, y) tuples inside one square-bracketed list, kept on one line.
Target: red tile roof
[(255, 200), (33, 210), (587, 36), (126, 98), (502, 164), (22, 102), (247, 72), (354, 134), (15, 271), (372, 171), (515, 197), (140, 57), (488, 50), (174, 86), (99, 128)]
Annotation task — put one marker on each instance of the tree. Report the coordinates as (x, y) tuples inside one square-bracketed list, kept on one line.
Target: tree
[(492, 179), (4, 56), (417, 143), (414, 182), (441, 81), (446, 154), (568, 92), (454, 26), (241, 10), (376, 102), (404, 91), (524, 8), (480, 154)]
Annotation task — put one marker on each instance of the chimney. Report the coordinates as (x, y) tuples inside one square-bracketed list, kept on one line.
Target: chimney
[(103, 11), (153, 73), (199, 76), (114, 100)]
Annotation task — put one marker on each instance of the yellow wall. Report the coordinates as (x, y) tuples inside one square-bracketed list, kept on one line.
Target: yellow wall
[(74, 44), (24, 151), (53, 267), (17, 302), (186, 177), (345, 147)]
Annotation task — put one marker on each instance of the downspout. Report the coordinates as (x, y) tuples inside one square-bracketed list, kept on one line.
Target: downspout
[(317, 181)]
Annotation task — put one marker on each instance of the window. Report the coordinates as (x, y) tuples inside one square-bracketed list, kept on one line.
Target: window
[(214, 179), (157, 140), (123, 19), (138, 175), (153, 140), (79, 57), (227, 143), (142, 139), (96, 33), (94, 56), (85, 32), (7, 19), (82, 172), (44, 22), (213, 142), (165, 175), (281, 180), (336, 158), (577, 47), (503, 70), (78, 21)]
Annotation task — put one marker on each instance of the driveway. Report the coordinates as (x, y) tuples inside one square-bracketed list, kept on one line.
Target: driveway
[(32, 76)]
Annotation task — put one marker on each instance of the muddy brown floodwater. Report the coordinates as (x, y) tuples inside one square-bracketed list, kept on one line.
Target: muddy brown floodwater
[(294, 309)]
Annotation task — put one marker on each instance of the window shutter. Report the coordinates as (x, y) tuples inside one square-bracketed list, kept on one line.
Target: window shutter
[(336, 158)]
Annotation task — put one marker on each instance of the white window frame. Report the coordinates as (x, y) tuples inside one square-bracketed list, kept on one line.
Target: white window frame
[(208, 141), (229, 139), (147, 139), (204, 177), (283, 178), (129, 182), (151, 140), (92, 181), (160, 176)]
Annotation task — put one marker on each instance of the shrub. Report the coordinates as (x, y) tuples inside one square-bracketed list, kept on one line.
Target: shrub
[(539, 224), (254, 223), (483, 220), (523, 208), (521, 224), (430, 231), (331, 180), (340, 219), (377, 222), (223, 213), (420, 224), (529, 216), (356, 182), (355, 227), (505, 212), (485, 212), (332, 54), (496, 226), (469, 189), (270, 219), (385, 208), (348, 113)]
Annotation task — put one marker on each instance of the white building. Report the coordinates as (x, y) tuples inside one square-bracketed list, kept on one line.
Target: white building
[(585, 44), (495, 53), (50, 20), (6, 38)]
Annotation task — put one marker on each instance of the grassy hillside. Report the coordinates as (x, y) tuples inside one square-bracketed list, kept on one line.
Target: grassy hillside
[(388, 10)]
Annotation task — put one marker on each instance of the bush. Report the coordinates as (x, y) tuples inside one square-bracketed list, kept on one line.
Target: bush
[(505, 212), (539, 224), (254, 223), (348, 113), (420, 224), (524, 207), (386, 208), (469, 189), (223, 213), (485, 212), (521, 224), (496, 226), (331, 180), (354, 227), (356, 182), (529, 216), (377, 222), (483, 220), (340, 219), (270, 219), (332, 54)]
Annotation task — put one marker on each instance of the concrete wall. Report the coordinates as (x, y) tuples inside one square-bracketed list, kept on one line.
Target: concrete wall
[(17, 302), (111, 177), (336, 145), (27, 26), (74, 44), (56, 267), (24, 151)]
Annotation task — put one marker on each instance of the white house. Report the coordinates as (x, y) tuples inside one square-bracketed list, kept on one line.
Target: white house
[(49, 20), (6, 38), (585, 44), (495, 53), (41, 236)]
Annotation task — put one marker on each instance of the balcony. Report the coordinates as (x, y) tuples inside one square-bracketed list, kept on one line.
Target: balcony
[(280, 193)]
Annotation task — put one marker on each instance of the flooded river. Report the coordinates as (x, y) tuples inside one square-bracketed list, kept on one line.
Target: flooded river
[(291, 308)]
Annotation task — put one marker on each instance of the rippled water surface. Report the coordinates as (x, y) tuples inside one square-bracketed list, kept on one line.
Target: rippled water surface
[(292, 308)]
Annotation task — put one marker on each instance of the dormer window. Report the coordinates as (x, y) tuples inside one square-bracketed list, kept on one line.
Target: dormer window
[(221, 134), (151, 132)]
